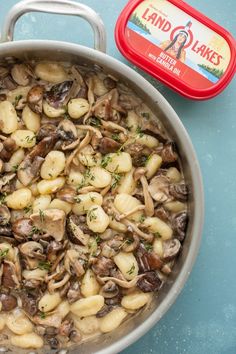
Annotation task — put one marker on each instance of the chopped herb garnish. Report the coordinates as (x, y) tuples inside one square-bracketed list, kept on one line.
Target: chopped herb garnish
[(95, 122), (115, 137), (81, 185), (42, 315), (142, 218), (116, 179), (105, 161), (92, 215), (77, 199), (131, 270), (92, 199), (98, 239), (15, 168), (34, 231), (148, 247), (145, 115), (28, 209), (44, 265), (157, 235), (3, 198), (4, 253), (17, 99), (41, 215), (139, 132), (30, 139)]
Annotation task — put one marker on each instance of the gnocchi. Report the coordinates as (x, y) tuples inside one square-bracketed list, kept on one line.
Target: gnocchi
[(19, 199), (112, 320), (97, 219), (28, 340), (53, 165), (156, 225), (85, 201), (88, 306), (31, 119), (8, 117), (118, 162), (127, 264), (50, 186), (124, 203), (48, 302), (89, 285), (24, 138), (136, 300), (78, 107), (51, 72)]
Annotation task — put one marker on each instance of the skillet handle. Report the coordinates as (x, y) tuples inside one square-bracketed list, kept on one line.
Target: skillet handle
[(63, 7)]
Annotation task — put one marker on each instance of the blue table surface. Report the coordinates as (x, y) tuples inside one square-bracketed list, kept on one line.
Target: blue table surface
[(203, 319)]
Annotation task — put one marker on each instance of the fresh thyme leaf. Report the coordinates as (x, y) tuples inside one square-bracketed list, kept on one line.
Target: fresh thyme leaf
[(131, 270), (116, 179), (95, 122), (157, 235), (34, 231), (92, 198), (145, 115), (44, 265), (98, 239), (42, 315), (116, 137), (3, 198), (142, 218), (30, 139), (15, 168), (17, 99), (41, 215), (28, 209), (4, 253), (105, 161), (148, 247), (92, 215), (139, 132), (77, 199)]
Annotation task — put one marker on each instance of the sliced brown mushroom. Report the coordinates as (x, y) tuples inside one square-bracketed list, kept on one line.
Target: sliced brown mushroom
[(132, 244), (75, 233), (108, 145), (149, 282), (159, 188), (74, 293), (170, 249), (32, 249), (179, 191), (53, 249), (179, 223), (67, 194), (29, 302), (45, 131), (35, 99), (139, 154), (109, 83), (5, 215), (104, 311), (9, 276), (22, 229), (67, 131), (5, 180), (59, 94), (109, 290), (20, 74), (168, 153), (74, 262), (51, 221), (147, 260), (8, 301), (151, 127), (162, 213), (102, 266)]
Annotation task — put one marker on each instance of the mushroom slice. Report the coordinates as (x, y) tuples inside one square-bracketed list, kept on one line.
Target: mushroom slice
[(108, 145), (148, 260), (20, 74), (67, 194), (149, 282), (122, 283), (6, 179), (149, 206), (28, 169), (74, 263), (5, 215), (168, 153), (109, 290), (75, 233), (51, 221), (58, 94), (179, 191), (46, 130), (8, 301), (179, 223), (159, 188), (22, 228), (67, 131), (32, 249), (35, 99), (9, 276), (170, 249)]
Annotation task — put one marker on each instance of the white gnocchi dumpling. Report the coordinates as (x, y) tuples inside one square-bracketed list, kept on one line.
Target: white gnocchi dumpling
[(175, 206), (51, 72), (124, 203), (158, 247), (31, 119), (18, 323), (99, 177), (97, 219), (147, 140), (88, 306), (53, 164), (28, 340), (8, 117), (84, 202), (78, 107), (133, 121), (127, 183), (41, 202), (87, 157), (135, 300), (61, 205), (127, 264), (120, 162), (152, 165), (87, 325), (50, 186), (24, 138), (174, 175), (112, 320), (9, 250), (75, 178), (52, 112), (89, 285), (16, 158), (156, 225), (49, 302), (19, 199)]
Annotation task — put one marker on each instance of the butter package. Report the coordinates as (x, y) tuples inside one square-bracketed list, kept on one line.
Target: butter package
[(177, 45)]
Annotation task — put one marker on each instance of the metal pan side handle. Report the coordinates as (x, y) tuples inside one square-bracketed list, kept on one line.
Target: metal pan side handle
[(63, 7)]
